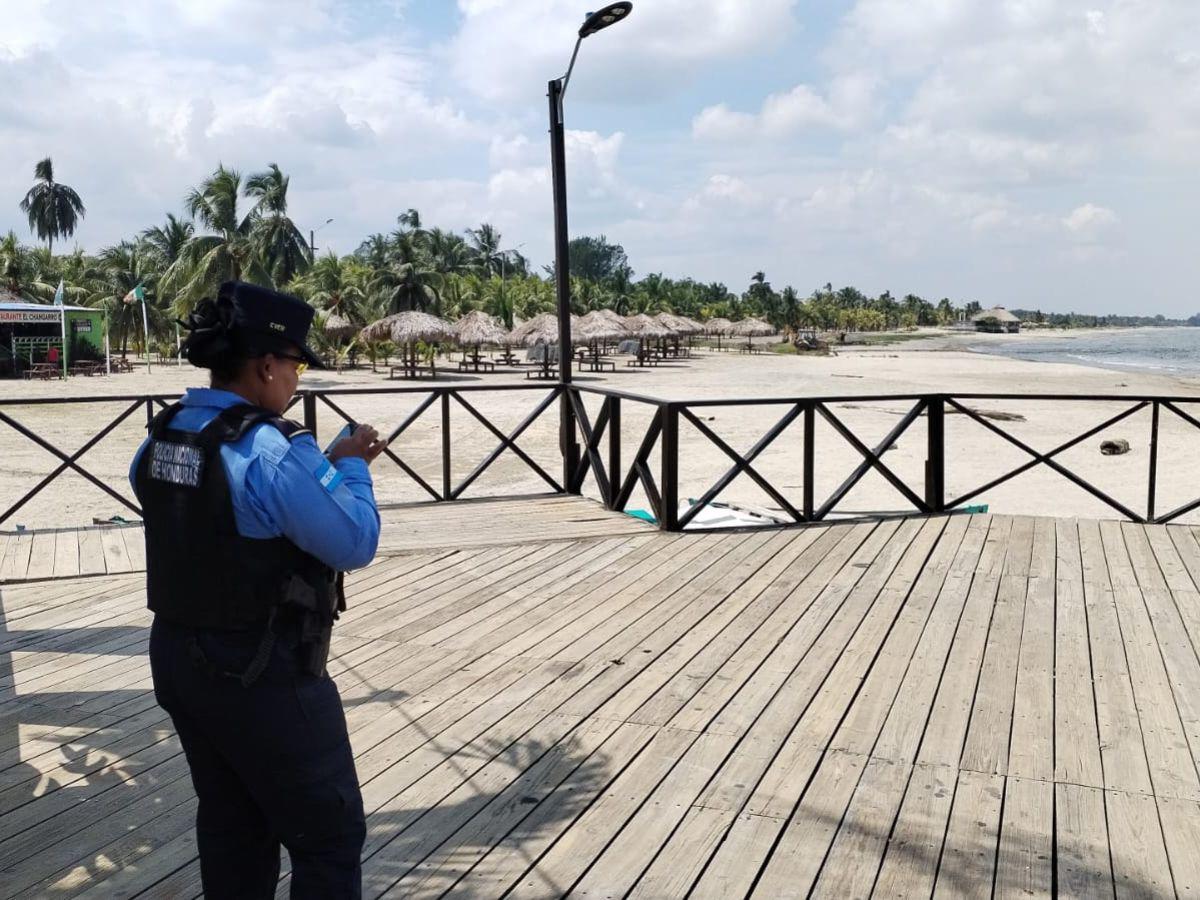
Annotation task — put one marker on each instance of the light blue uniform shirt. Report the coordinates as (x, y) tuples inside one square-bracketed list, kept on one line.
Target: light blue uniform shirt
[(289, 488)]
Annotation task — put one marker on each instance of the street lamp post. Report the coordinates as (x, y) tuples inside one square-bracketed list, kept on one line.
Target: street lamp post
[(597, 21), (312, 240)]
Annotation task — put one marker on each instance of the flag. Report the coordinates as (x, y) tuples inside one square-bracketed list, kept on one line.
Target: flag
[(137, 295), (58, 294)]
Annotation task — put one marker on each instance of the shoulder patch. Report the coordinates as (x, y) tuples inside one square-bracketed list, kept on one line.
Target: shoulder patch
[(181, 464), (328, 476)]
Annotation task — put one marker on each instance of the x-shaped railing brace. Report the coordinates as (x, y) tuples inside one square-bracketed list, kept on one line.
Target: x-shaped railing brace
[(69, 462), (591, 444), (507, 442), (872, 458), (1047, 459), (742, 464), (400, 429), (640, 471)]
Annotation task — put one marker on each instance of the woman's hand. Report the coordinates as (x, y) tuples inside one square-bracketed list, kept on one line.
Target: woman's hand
[(363, 442)]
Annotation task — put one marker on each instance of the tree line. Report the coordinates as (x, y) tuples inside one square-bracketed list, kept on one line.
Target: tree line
[(235, 226)]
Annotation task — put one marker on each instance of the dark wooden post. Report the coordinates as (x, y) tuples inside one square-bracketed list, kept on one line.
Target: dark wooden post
[(446, 490), (810, 466), (670, 467), (935, 460), (310, 412), (614, 451), (1153, 486)]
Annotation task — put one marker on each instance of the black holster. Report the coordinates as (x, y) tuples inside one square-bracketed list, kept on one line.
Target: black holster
[(315, 607)]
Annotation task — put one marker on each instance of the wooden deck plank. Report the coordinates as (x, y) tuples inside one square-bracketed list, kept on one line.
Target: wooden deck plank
[(66, 554), (986, 747), (915, 845), (1023, 861), (16, 560), (116, 557), (41, 554), (1139, 858), (1083, 866), (967, 865), (135, 547), (1076, 734), (824, 712), (91, 552), (1172, 766), (1122, 750), (1031, 747)]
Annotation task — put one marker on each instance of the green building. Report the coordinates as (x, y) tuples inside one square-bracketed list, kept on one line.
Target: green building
[(32, 333)]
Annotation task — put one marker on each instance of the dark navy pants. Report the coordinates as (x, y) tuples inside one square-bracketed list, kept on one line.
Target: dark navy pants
[(271, 764)]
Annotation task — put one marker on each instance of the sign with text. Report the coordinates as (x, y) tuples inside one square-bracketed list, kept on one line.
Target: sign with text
[(26, 316)]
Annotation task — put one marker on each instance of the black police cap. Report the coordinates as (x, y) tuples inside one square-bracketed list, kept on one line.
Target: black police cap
[(268, 321)]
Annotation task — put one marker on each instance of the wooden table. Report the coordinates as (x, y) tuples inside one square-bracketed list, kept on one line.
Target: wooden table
[(477, 365), (44, 371)]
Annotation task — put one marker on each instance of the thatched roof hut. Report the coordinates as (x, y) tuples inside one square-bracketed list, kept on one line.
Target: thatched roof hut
[(542, 329), (477, 328), (680, 324), (336, 326), (717, 326), (997, 320), (602, 325), (752, 327), (644, 326), (408, 328)]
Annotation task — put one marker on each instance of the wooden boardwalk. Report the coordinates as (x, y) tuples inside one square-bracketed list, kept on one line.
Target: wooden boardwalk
[(40, 554), (949, 707)]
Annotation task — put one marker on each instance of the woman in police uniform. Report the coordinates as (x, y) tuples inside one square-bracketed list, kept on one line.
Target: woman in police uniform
[(248, 527)]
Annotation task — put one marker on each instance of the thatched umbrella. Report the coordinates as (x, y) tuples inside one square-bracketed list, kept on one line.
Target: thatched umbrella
[(601, 326), (596, 329), (680, 324), (338, 326), (646, 328), (718, 327), (407, 329), (337, 329), (542, 331), (477, 328), (751, 328)]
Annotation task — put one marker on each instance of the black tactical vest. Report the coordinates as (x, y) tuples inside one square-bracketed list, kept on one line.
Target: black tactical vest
[(199, 571)]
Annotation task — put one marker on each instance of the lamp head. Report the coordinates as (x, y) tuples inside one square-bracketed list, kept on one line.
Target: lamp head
[(609, 15)]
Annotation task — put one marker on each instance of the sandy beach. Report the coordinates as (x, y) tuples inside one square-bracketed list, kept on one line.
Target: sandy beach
[(940, 363)]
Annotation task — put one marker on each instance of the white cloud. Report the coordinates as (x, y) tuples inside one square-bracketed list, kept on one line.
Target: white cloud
[(848, 103), (1089, 221), (941, 146), (509, 50)]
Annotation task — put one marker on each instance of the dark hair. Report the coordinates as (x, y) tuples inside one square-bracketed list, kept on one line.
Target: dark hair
[(212, 342)]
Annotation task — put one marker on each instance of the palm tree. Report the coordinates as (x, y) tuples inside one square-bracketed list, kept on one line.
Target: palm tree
[(408, 281), (229, 254), (119, 270), (280, 243), (485, 241), (448, 253), (374, 250), (15, 265), (169, 239), (54, 210), (336, 283), (621, 290)]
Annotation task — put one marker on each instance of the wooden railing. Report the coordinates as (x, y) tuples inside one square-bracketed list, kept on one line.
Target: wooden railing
[(618, 470)]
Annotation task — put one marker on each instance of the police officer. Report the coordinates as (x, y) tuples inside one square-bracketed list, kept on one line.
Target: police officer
[(248, 526)]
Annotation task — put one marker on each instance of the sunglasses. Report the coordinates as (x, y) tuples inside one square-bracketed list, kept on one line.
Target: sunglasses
[(301, 362)]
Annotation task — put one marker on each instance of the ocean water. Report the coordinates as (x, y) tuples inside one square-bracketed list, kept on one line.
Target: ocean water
[(1168, 351)]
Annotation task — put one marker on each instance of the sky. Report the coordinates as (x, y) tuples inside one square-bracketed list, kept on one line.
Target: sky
[(1025, 153)]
